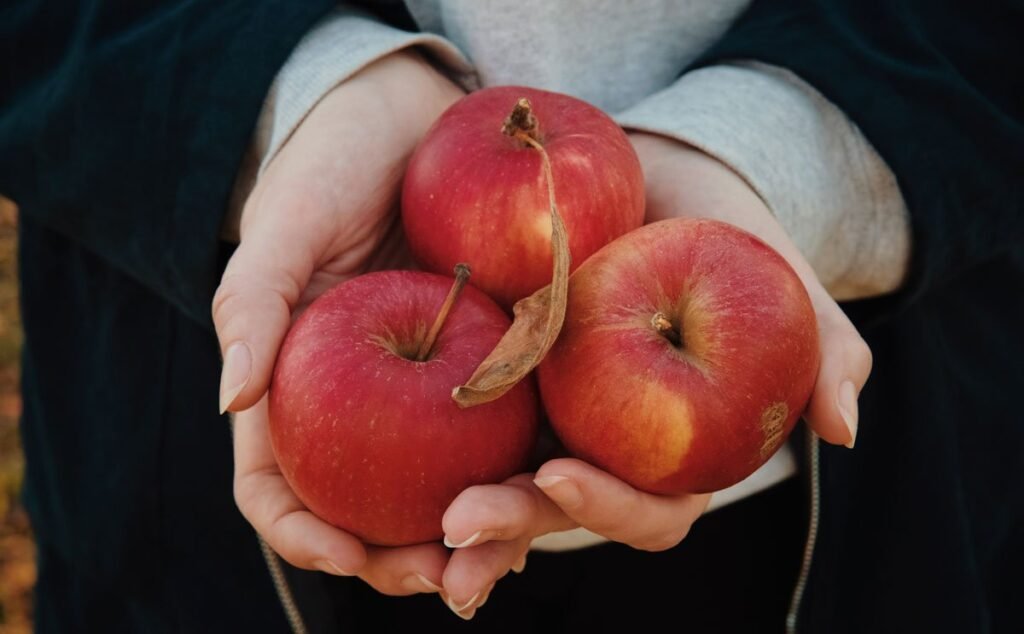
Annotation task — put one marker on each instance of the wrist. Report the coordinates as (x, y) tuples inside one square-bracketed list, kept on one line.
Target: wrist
[(406, 94), (683, 180)]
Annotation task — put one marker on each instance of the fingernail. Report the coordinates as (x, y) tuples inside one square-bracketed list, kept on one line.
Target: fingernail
[(236, 373), (520, 565), (476, 538), (467, 610), (562, 490), (847, 403), (328, 566), (418, 583)]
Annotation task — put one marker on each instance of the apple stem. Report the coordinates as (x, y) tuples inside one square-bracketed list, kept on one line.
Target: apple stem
[(665, 328), (522, 123), (461, 277)]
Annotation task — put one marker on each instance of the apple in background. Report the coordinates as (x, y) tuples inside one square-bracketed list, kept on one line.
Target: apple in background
[(368, 436), (689, 350), (475, 194)]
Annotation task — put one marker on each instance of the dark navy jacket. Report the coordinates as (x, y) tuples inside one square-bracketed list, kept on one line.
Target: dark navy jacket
[(123, 124)]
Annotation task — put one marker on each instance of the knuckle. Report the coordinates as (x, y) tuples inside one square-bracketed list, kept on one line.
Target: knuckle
[(616, 519), (664, 541), (243, 498), (257, 507), (859, 349), (386, 582), (637, 502), (248, 503), (388, 590), (289, 555), (243, 302), (223, 298), (846, 346), (276, 535), (528, 504)]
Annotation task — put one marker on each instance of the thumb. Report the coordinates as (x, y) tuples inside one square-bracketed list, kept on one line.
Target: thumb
[(845, 365), (603, 504), (252, 309)]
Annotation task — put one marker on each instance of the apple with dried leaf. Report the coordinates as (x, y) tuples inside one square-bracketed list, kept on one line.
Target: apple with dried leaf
[(362, 421), (689, 350), (476, 190)]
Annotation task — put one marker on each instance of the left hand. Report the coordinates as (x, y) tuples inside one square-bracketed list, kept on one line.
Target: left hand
[(324, 211), (565, 493)]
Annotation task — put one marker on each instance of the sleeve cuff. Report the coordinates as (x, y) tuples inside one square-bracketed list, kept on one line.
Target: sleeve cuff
[(340, 45), (825, 183)]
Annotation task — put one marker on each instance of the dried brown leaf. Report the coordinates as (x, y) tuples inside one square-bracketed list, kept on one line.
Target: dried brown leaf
[(537, 319)]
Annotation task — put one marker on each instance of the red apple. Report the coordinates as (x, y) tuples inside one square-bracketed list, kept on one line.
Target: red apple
[(689, 350), (475, 194), (367, 436)]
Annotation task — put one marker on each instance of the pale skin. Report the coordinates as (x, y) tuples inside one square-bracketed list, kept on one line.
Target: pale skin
[(324, 211)]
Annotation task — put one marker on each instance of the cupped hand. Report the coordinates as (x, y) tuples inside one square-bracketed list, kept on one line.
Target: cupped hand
[(492, 526), (685, 182), (324, 210)]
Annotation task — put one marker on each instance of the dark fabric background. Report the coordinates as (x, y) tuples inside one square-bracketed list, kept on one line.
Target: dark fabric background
[(122, 125), (923, 523)]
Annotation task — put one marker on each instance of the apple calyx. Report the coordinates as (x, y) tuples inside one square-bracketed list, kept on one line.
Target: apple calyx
[(462, 273), (522, 124), (667, 329)]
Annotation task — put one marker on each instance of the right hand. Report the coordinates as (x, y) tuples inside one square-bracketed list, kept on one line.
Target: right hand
[(681, 181), (325, 210)]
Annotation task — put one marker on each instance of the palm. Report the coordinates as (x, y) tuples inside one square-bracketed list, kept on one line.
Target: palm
[(681, 182), (386, 250), (324, 210), (331, 197)]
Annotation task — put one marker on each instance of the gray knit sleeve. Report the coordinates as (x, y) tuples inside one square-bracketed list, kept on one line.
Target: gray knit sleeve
[(822, 179), (342, 43)]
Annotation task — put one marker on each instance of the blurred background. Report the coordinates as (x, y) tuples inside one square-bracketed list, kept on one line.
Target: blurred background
[(17, 566)]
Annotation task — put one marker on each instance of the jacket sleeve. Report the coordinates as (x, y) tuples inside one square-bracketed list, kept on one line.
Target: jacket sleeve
[(935, 87), (123, 124)]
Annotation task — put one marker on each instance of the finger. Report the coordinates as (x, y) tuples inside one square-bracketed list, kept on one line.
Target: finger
[(611, 508), (504, 512), (467, 610), (685, 181), (845, 356), (472, 571), (253, 305), (491, 527), (268, 503), (845, 365), (405, 570)]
